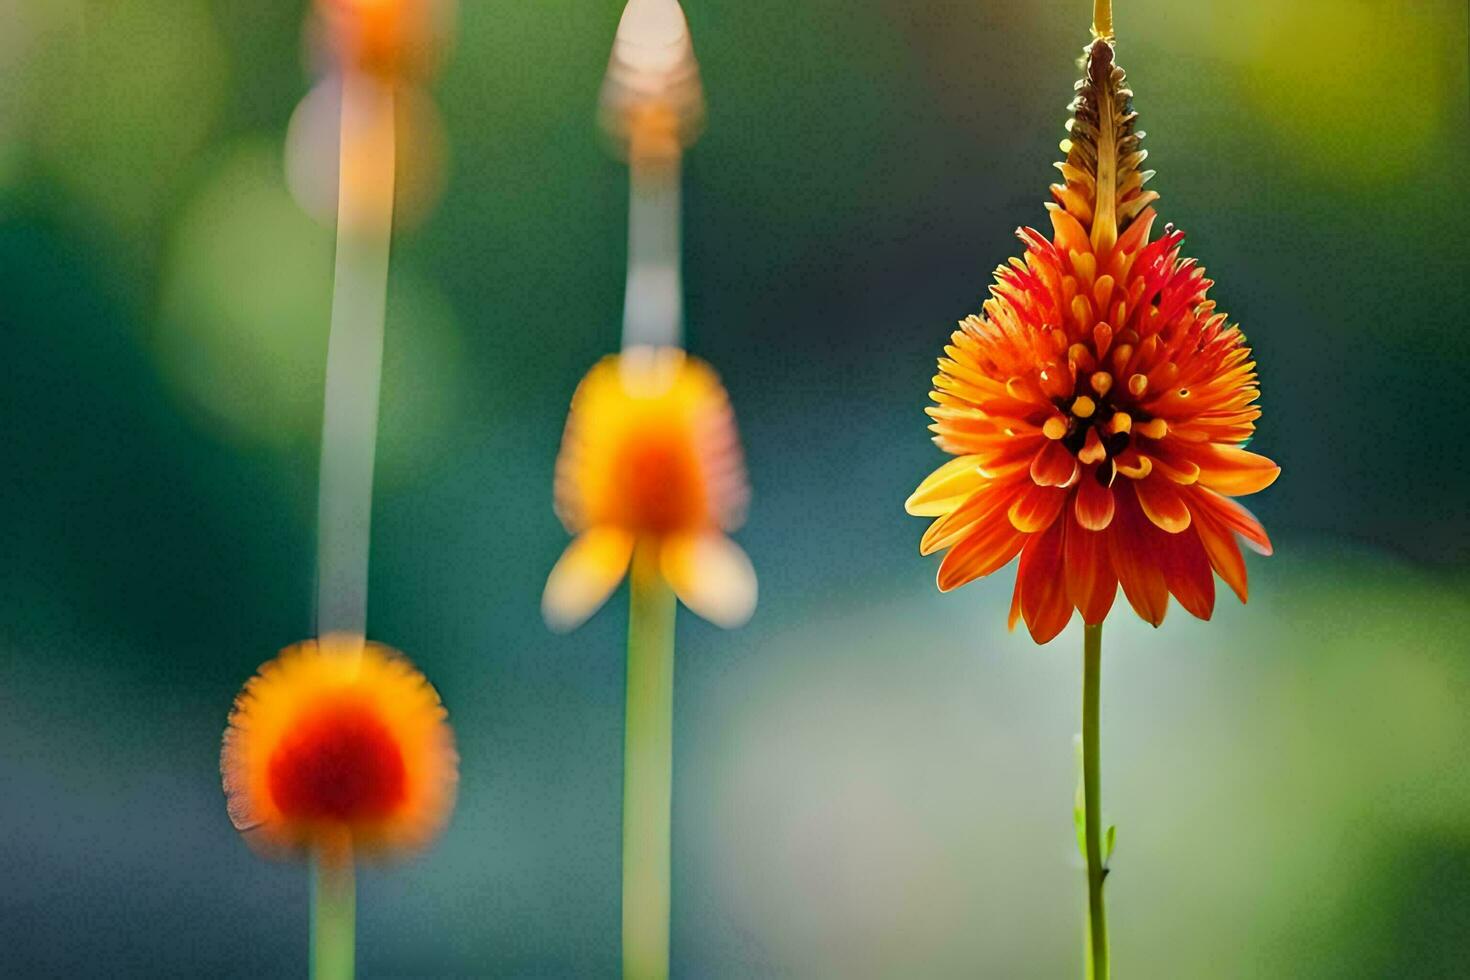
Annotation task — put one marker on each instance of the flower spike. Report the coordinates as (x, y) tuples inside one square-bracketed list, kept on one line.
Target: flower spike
[(1103, 186), (1099, 405), (1098, 409)]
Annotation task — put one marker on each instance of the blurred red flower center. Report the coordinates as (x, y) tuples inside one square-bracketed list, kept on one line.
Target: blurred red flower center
[(339, 762), (661, 489)]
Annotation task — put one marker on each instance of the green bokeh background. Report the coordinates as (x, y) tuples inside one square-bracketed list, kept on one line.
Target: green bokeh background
[(871, 779)]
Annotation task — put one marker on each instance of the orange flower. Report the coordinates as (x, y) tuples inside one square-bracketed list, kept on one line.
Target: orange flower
[(388, 38), (1099, 407), (339, 747), (651, 459)]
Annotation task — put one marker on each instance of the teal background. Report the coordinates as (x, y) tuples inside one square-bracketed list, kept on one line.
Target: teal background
[(871, 779)]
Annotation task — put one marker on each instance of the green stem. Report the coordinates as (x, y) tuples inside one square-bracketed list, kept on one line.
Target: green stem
[(648, 770), (333, 918), (1097, 919)]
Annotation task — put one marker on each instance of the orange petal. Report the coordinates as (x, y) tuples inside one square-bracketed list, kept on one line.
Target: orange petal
[(1232, 470), (1162, 503), (946, 488), (984, 551), (1015, 614), (1235, 517), (986, 504), (585, 575), (711, 575), (1070, 236), (1053, 466), (1223, 552), (1091, 582), (1044, 603), (1036, 508), (1174, 466), (1094, 504), (1128, 547)]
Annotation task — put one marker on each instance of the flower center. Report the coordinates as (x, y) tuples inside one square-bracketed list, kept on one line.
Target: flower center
[(660, 487), (338, 762), (1099, 422)]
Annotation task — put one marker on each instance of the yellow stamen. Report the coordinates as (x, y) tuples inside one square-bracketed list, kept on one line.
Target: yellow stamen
[(1054, 427), (1137, 385), (1102, 382), (1083, 407), (1136, 468), (1153, 429), (1120, 422)]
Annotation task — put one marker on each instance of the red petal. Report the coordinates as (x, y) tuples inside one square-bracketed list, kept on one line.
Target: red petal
[(1036, 508), (1091, 582), (1162, 503), (1094, 505), (1128, 546), (1053, 466), (1187, 570), (1043, 585)]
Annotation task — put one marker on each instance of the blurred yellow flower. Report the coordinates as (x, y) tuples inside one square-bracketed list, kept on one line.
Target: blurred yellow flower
[(651, 459)]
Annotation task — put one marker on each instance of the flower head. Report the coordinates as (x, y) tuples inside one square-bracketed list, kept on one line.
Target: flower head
[(340, 747), (650, 458), (1099, 406)]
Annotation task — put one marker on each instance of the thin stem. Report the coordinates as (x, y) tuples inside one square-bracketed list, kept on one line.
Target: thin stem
[(355, 353), (1102, 18), (333, 918), (653, 306), (648, 770), (1097, 920)]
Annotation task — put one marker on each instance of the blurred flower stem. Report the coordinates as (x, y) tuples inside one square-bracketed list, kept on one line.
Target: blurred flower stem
[(333, 918), (355, 352), (1097, 919), (653, 312), (648, 757)]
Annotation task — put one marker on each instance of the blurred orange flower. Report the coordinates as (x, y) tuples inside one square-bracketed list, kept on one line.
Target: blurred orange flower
[(396, 39), (340, 747), (651, 459), (1099, 406)]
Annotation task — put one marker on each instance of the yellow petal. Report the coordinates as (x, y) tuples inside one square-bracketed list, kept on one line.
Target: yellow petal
[(944, 489), (585, 575), (711, 575)]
